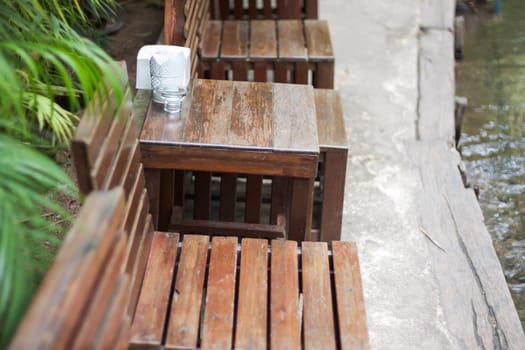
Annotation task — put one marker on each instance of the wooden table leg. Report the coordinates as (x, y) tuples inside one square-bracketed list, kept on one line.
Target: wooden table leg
[(166, 198), (301, 203), (333, 194), (153, 185)]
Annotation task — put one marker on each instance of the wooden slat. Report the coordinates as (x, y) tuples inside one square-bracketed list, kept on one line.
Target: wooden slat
[(252, 9), (128, 142), (140, 266), (152, 177), (251, 123), (152, 307), (350, 301), (279, 198), (211, 41), (133, 200), (104, 292), (238, 9), (174, 22), (135, 235), (235, 40), (263, 43), (70, 280), (267, 9), (289, 9), (311, 9), (294, 121), (166, 198), (318, 40), (228, 228), (261, 71), (109, 328), (319, 329), (228, 197), (251, 321), (291, 40), (217, 328), (187, 295), (333, 190), (330, 119), (202, 204), (131, 168), (253, 199), (111, 144), (284, 305)]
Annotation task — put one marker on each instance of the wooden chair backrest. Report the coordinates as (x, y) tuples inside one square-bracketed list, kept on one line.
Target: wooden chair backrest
[(184, 24), (87, 271), (264, 9), (106, 155)]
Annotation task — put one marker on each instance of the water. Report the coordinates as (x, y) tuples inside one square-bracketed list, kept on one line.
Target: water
[(492, 77)]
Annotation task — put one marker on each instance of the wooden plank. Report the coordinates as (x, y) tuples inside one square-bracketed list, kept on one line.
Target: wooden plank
[(350, 301), (289, 9), (267, 9), (300, 212), (324, 75), (235, 40), (294, 118), (291, 40), (174, 22), (211, 40), (228, 197), (251, 123), (252, 300), (318, 40), (311, 9), (152, 177), (240, 70), (333, 192), (185, 311), (260, 71), (135, 234), (130, 169), (300, 73), (202, 204), (103, 293), (253, 199), (211, 111), (54, 311), (252, 9), (228, 228), (280, 198), (166, 198), (133, 200), (260, 162), (285, 327), (109, 328), (151, 312), (330, 120), (217, 327), (319, 328), (238, 9), (263, 40)]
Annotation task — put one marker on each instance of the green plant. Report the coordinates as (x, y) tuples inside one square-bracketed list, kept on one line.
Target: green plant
[(42, 60)]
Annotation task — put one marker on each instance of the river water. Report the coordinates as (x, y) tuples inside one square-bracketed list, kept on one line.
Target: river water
[(492, 77)]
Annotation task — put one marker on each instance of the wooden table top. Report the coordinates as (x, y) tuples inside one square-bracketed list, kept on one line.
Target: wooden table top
[(233, 122)]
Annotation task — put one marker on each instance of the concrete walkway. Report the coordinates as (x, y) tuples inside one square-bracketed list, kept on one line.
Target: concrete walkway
[(431, 276)]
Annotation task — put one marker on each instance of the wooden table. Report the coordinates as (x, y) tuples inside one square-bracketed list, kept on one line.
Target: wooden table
[(257, 129)]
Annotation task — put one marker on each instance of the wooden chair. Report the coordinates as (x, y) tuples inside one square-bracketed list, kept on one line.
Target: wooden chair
[(288, 50)]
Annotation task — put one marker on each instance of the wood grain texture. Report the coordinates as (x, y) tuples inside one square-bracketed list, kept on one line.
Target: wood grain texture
[(289, 9), (353, 331), (251, 330), (228, 197), (318, 40), (235, 40), (187, 295), (263, 40), (333, 191), (291, 40), (212, 43), (152, 306), (71, 279), (217, 327), (228, 228), (330, 120), (319, 328), (284, 303)]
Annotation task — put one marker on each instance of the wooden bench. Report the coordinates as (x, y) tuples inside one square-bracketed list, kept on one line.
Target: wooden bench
[(287, 50), (197, 292), (117, 283)]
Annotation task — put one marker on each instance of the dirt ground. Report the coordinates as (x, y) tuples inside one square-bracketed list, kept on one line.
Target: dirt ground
[(141, 25)]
